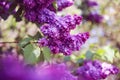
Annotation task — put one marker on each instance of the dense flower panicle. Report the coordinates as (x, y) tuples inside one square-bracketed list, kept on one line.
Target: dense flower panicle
[(42, 8), (56, 29), (95, 70), (58, 25), (54, 72), (61, 4), (57, 32), (65, 45)]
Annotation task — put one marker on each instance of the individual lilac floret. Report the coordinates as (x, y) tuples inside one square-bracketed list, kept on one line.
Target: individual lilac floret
[(61, 4), (95, 70), (54, 72)]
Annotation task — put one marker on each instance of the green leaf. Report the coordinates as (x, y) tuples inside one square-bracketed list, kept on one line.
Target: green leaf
[(24, 42), (109, 53), (100, 52), (55, 5), (31, 54), (89, 55), (67, 58), (80, 61), (46, 53)]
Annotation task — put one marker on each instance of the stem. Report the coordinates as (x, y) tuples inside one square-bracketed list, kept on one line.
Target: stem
[(14, 42)]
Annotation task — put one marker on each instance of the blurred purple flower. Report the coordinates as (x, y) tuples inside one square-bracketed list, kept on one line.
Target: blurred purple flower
[(95, 70), (54, 72), (11, 68), (90, 3), (94, 17)]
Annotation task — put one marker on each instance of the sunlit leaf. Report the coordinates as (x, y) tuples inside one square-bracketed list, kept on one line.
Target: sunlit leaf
[(46, 52), (31, 54)]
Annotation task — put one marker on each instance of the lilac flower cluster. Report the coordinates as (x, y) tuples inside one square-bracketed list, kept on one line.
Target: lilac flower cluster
[(95, 70), (11, 68), (90, 14), (37, 9), (56, 29), (57, 34)]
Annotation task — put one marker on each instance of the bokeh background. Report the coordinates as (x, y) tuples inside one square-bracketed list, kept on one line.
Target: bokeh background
[(100, 18)]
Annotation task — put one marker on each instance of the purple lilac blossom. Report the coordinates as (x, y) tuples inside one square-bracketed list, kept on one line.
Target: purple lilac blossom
[(41, 8), (61, 4), (57, 32), (95, 70), (56, 29), (65, 45)]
